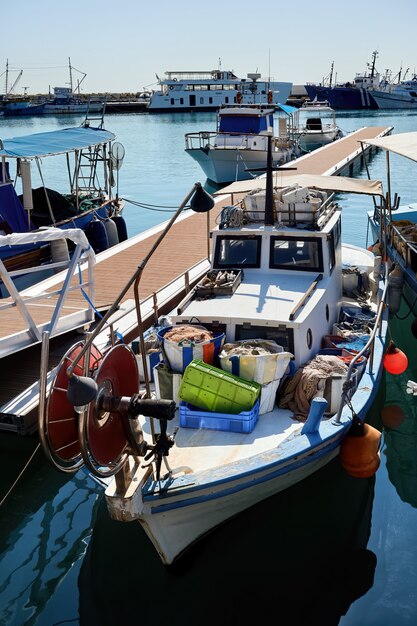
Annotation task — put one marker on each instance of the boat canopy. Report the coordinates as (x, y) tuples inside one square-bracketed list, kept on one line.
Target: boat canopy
[(54, 142), (287, 109), (342, 184), (404, 144)]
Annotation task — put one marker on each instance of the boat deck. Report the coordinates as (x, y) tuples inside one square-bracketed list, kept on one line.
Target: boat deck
[(184, 246)]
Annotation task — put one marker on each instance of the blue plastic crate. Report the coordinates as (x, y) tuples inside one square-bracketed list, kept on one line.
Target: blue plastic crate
[(244, 422)]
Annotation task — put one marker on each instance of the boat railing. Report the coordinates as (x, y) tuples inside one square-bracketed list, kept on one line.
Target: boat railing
[(318, 219), (195, 141), (368, 348), (405, 247), (42, 307), (202, 140)]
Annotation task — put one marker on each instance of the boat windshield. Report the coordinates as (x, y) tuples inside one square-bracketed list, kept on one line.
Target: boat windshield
[(234, 251), (244, 124), (291, 253)]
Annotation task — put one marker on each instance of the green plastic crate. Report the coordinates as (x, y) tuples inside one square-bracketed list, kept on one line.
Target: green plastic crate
[(213, 389)]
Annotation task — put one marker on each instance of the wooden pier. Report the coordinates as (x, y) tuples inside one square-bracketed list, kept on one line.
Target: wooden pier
[(185, 245)]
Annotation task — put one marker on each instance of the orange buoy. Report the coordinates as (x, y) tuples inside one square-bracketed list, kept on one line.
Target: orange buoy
[(392, 416), (395, 361), (359, 451)]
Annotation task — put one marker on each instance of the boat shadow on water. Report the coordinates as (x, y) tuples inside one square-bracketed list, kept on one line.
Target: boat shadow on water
[(300, 556)]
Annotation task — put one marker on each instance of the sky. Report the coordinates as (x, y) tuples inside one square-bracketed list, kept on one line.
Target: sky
[(122, 44)]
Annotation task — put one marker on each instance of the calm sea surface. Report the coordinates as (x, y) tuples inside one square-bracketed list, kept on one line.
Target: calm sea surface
[(331, 550)]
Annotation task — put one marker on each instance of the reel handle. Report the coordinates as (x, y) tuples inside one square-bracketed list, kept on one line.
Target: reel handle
[(159, 409), (134, 406)]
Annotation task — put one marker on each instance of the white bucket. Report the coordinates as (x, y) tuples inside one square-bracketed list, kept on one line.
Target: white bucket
[(261, 368)]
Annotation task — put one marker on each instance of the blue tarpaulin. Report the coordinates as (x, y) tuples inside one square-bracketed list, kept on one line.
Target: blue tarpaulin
[(12, 211), (54, 142)]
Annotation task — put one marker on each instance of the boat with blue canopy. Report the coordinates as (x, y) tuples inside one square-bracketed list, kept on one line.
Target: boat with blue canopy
[(239, 146), (90, 159)]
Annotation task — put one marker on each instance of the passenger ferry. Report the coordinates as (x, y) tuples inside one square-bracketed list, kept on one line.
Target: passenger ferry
[(208, 91)]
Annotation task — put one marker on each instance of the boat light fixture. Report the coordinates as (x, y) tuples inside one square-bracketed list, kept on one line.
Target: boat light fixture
[(81, 391), (202, 201)]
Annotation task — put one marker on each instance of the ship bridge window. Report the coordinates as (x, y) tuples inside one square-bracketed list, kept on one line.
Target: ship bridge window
[(237, 251), (242, 124), (293, 253)]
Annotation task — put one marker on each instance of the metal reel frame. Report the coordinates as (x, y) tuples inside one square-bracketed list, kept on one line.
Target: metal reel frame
[(106, 439), (57, 435)]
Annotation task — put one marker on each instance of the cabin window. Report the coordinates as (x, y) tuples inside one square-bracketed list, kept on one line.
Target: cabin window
[(201, 100), (238, 251), (210, 100), (293, 253), (226, 99), (327, 313), (337, 231), (309, 338), (181, 100), (172, 101), (282, 336), (331, 250)]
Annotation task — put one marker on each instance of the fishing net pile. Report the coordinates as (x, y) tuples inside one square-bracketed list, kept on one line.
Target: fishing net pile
[(307, 382), (191, 335)]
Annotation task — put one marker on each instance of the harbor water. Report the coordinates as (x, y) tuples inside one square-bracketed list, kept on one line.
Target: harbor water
[(330, 550)]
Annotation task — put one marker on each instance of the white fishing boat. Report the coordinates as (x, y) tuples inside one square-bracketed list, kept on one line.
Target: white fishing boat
[(281, 279), (239, 146), (401, 95), (400, 221), (316, 126), (209, 90)]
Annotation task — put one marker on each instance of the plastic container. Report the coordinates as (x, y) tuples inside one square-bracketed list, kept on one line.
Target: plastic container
[(268, 396), (207, 387), (262, 368), (346, 356), (180, 356), (167, 383), (192, 417)]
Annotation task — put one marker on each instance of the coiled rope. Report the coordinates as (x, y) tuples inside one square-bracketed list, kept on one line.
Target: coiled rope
[(231, 217)]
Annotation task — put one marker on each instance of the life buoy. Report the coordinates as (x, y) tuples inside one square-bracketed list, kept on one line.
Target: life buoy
[(269, 97), (238, 97)]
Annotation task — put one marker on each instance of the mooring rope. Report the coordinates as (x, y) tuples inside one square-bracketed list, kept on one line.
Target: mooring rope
[(153, 207), (19, 476)]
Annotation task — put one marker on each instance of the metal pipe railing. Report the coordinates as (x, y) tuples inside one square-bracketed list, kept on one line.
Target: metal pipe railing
[(369, 345)]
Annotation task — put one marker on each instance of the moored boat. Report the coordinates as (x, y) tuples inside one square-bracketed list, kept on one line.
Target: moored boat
[(315, 125), (276, 281), (209, 90), (357, 94), (239, 146), (88, 157), (401, 95), (400, 223)]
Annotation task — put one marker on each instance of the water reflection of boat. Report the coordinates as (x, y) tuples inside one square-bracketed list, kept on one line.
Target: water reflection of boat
[(44, 525), (300, 555)]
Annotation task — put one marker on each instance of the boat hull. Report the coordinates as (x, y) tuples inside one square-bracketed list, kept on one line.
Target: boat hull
[(218, 504), (343, 97), (394, 101), (229, 165)]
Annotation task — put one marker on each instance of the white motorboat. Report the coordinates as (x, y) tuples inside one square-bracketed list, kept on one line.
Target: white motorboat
[(239, 146), (277, 280), (402, 95), (209, 90), (316, 126)]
